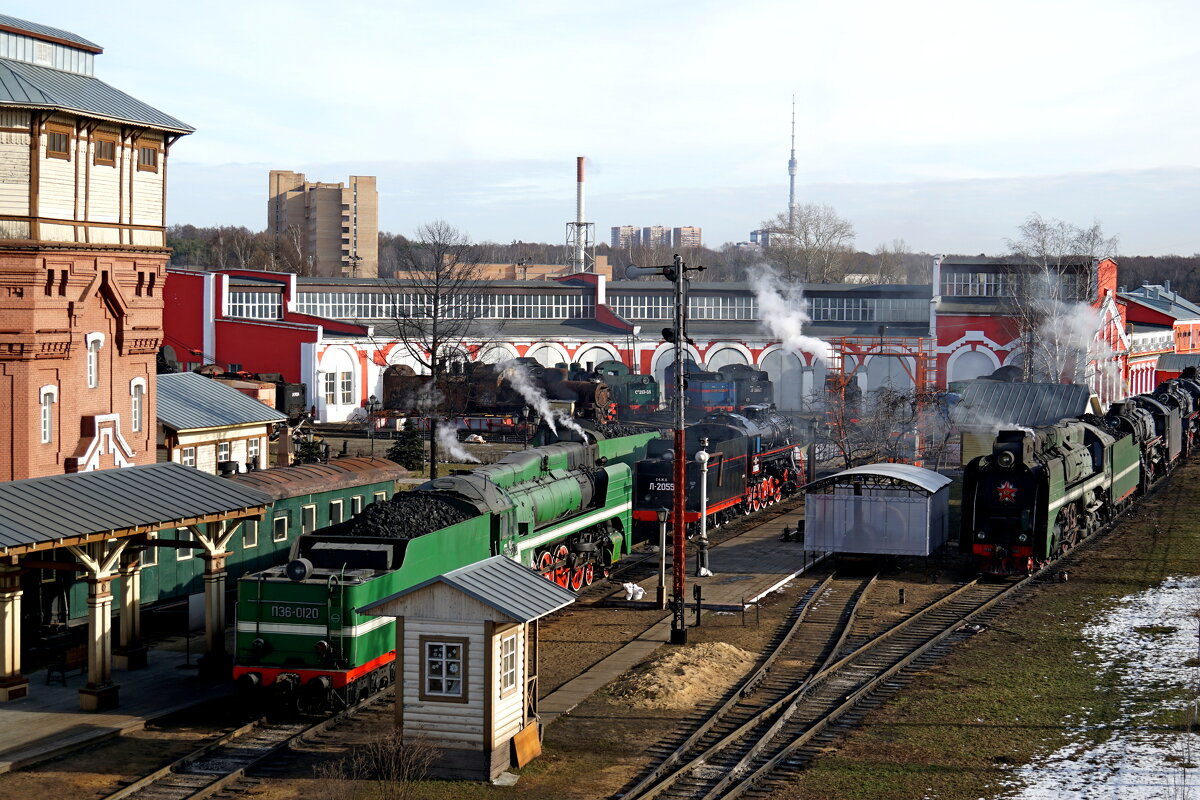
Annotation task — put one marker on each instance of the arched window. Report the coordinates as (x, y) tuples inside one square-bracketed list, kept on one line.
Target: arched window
[(94, 342), (47, 396), (136, 393)]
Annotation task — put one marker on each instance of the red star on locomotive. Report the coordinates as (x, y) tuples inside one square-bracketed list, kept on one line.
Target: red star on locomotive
[(1007, 492)]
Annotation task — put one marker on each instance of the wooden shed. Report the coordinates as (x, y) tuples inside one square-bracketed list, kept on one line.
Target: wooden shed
[(467, 664)]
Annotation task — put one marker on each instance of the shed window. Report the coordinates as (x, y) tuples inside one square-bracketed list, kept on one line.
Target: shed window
[(148, 159), (187, 457), (335, 512), (508, 663), (106, 153), (252, 446), (58, 143), (329, 387), (347, 387), (356, 504), (444, 669), (308, 519), (222, 451)]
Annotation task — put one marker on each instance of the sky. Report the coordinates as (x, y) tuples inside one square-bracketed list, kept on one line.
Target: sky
[(944, 124)]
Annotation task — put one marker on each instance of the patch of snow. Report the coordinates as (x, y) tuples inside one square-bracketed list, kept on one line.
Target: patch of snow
[(1133, 757)]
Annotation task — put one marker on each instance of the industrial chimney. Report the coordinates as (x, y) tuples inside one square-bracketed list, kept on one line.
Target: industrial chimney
[(581, 235)]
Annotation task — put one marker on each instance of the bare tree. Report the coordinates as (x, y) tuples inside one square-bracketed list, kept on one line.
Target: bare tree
[(386, 767), (441, 300), (1055, 289), (890, 262), (813, 247)]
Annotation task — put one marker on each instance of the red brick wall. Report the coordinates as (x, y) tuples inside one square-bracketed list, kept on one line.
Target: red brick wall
[(49, 302)]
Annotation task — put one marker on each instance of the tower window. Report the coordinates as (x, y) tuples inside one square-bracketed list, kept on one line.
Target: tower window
[(58, 142), (47, 417), (136, 403), (93, 364), (148, 159)]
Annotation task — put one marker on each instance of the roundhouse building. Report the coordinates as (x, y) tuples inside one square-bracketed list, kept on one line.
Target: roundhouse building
[(338, 336)]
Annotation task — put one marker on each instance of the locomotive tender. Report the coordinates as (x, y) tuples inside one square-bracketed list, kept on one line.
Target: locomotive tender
[(563, 509), (1040, 491)]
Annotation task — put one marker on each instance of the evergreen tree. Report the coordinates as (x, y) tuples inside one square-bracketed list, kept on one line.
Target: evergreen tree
[(408, 451)]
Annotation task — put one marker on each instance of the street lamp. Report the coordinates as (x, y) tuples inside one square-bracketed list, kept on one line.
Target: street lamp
[(372, 406), (676, 272), (702, 544), (525, 428), (662, 556)]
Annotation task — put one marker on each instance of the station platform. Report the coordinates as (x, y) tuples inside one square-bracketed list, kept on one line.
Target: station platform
[(745, 569), (48, 721)]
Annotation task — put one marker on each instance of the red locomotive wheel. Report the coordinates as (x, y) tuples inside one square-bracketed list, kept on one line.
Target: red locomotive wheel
[(577, 582), (589, 574), (543, 565), (562, 575)]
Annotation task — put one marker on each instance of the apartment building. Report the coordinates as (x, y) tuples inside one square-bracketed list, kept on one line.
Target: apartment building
[(337, 223), (685, 237)]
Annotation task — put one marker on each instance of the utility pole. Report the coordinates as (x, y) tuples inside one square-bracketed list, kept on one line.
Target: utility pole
[(676, 272)]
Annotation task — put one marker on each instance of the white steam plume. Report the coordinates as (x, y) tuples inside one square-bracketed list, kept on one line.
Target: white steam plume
[(781, 311), (518, 378), (447, 438)]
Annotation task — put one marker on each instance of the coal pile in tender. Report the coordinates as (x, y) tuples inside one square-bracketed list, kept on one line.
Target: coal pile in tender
[(616, 430), (405, 516)]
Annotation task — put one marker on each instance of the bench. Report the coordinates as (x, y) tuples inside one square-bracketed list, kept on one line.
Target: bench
[(70, 659)]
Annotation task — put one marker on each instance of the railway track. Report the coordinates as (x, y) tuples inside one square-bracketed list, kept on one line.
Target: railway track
[(220, 764), (815, 637)]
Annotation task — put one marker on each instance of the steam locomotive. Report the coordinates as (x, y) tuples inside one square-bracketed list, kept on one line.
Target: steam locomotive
[(756, 458), (1041, 491)]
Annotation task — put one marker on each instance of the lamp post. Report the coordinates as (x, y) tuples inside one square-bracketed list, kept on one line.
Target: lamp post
[(372, 407), (661, 594), (702, 544), (525, 428), (676, 272)]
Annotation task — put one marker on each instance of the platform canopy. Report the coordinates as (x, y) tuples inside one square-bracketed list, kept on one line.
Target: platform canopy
[(882, 476), (1177, 362), (59, 510), (498, 582)]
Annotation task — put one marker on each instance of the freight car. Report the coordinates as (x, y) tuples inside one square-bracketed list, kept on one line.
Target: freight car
[(1040, 491), (755, 460), (563, 509)]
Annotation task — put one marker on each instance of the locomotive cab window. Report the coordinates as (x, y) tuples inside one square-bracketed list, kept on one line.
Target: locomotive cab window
[(335, 511), (356, 504)]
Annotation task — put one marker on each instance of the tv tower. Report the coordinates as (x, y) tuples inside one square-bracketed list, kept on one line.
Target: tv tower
[(792, 172)]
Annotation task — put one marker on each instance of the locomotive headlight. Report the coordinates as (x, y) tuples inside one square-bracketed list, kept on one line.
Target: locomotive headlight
[(980, 535), (1006, 459), (322, 647), (1023, 538)]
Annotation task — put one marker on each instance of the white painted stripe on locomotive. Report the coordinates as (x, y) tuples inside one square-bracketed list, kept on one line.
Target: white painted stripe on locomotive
[(571, 526), (1077, 493), (290, 629)]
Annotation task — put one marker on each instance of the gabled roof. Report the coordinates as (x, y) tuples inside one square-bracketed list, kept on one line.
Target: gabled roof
[(29, 86), (188, 401), (1162, 300), (39, 31), (500, 583), (994, 403), (65, 507), (923, 479)]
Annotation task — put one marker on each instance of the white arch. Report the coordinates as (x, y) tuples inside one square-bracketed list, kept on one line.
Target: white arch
[(495, 353), (1014, 357), (548, 353), (592, 352), (889, 371), (791, 379), (967, 363), (728, 353), (664, 355), (336, 361)]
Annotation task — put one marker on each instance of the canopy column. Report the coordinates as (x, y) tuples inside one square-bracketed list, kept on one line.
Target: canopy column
[(215, 537), (99, 559), (13, 685), (130, 653)]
